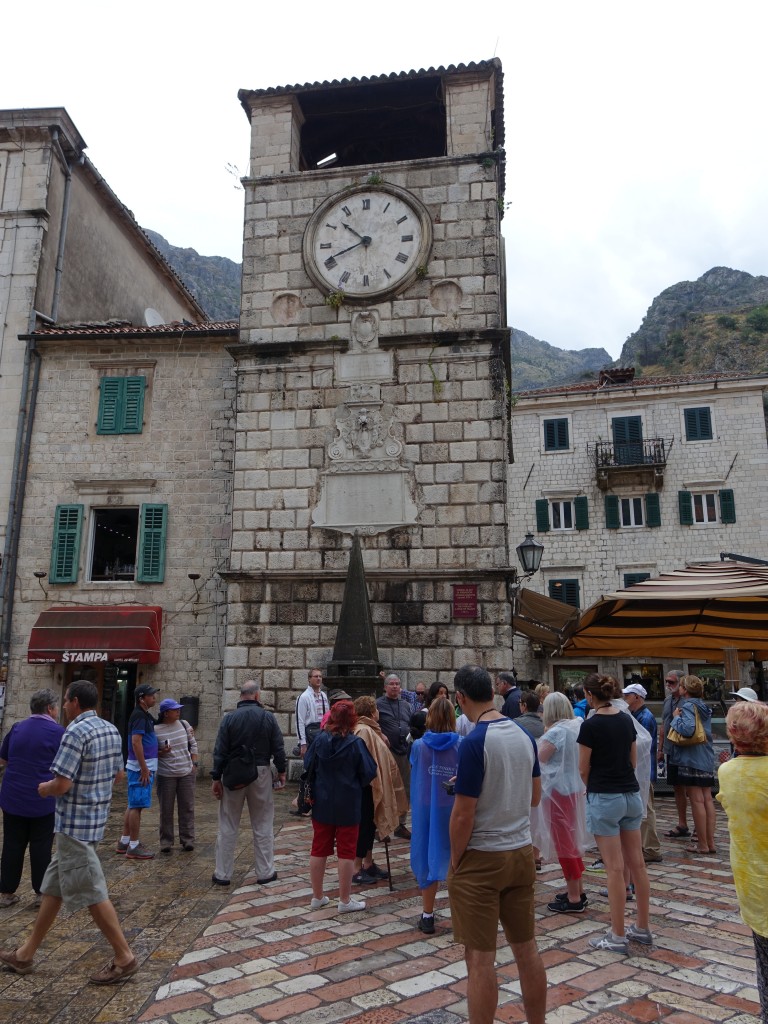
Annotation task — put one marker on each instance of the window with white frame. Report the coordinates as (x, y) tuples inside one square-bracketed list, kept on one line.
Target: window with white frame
[(631, 512), (701, 508), (705, 507), (562, 515)]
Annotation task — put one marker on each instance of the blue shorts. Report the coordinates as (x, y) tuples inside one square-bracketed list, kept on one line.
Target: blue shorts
[(611, 813), (139, 796)]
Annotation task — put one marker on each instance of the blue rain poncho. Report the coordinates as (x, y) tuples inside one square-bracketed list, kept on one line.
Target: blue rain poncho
[(433, 760)]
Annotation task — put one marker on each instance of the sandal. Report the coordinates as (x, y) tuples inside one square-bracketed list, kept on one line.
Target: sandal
[(678, 832), (702, 853)]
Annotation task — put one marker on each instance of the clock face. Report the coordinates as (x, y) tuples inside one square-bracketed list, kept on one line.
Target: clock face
[(367, 242)]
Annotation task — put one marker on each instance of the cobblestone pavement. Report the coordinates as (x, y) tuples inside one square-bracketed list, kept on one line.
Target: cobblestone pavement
[(257, 954)]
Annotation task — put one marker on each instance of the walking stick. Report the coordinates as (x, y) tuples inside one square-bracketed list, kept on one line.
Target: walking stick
[(389, 866)]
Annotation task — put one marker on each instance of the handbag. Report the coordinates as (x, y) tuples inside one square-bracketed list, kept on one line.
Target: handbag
[(305, 798), (699, 736), (241, 769)]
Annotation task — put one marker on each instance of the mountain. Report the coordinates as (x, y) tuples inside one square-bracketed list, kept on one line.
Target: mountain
[(213, 280), (712, 324), (537, 364)]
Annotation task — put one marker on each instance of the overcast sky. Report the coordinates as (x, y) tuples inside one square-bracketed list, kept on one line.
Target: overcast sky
[(635, 133)]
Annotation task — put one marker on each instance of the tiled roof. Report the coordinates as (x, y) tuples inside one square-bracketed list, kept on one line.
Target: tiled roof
[(452, 69), (123, 329), (585, 387)]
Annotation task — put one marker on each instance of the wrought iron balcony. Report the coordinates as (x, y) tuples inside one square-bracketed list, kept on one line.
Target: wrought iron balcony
[(644, 458)]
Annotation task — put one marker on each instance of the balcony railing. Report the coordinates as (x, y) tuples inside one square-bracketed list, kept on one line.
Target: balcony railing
[(651, 452)]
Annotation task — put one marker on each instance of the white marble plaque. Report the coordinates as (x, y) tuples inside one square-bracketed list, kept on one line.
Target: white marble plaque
[(367, 501)]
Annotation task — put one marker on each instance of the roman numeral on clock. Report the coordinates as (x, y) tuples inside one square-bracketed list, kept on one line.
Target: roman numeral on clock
[(401, 219), (330, 263), (344, 277), (401, 257), (365, 280), (387, 275), (366, 204), (406, 238), (347, 211), (325, 245)]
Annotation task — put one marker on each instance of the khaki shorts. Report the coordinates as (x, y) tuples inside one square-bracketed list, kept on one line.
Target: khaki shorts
[(75, 874), (491, 887)]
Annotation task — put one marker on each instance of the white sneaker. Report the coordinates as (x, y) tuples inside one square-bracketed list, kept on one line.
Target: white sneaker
[(316, 904), (351, 907)]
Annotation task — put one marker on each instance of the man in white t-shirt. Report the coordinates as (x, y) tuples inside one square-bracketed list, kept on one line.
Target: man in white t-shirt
[(310, 707), (493, 873)]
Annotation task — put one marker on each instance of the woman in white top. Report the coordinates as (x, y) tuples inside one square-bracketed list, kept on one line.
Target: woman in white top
[(176, 775)]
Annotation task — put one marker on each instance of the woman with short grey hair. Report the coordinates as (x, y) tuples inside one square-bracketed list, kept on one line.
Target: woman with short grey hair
[(28, 751)]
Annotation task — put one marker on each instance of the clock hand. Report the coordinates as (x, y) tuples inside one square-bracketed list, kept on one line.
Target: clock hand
[(348, 249), (364, 239)]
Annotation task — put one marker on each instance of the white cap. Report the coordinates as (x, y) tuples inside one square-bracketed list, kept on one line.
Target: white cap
[(745, 693), (636, 688)]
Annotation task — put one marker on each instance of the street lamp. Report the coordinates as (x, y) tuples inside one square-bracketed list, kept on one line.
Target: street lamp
[(529, 552)]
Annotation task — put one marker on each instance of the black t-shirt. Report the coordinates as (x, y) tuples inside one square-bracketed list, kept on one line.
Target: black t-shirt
[(610, 738)]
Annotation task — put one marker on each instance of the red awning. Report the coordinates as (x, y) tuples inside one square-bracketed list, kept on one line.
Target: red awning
[(97, 634)]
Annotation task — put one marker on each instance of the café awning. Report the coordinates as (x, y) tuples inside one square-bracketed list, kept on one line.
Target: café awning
[(541, 619), (78, 635), (693, 613)]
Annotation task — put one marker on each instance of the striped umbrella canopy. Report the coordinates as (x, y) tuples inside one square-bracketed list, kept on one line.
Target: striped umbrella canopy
[(693, 613)]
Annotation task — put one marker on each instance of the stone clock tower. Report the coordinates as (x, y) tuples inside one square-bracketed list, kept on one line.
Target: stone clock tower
[(372, 377)]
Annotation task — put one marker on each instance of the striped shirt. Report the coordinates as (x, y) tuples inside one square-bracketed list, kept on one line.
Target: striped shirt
[(90, 756)]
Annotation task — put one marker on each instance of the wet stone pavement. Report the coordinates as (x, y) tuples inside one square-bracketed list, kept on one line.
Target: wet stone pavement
[(255, 953)]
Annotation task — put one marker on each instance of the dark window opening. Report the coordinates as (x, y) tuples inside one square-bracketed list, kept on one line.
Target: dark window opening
[(115, 535), (373, 124)]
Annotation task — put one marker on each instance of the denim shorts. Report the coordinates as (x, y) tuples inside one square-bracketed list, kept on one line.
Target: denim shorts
[(611, 813), (139, 796)]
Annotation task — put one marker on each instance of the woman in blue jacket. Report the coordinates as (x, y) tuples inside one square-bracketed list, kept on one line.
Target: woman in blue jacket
[(342, 767), (696, 763), (433, 762)]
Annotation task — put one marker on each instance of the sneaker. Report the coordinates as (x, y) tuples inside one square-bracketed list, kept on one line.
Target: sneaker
[(643, 935), (364, 877), (37, 902), (562, 897), (219, 881), (375, 871), (188, 847), (111, 973), (426, 924), (652, 858), (566, 907), (630, 892), (597, 865), (165, 849), (318, 904), (139, 852), (7, 899), (402, 832), (608, 942), (121, 847), (351, 906)]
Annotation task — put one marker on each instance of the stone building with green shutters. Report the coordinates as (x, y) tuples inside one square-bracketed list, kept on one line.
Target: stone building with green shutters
[(626, 478)]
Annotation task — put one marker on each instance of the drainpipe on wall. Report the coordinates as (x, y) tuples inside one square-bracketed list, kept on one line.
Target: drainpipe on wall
[(25, 423)]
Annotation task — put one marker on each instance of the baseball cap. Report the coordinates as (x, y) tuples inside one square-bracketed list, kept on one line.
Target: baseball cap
[(145, 690), (170, 705), (745, 693), (336, 695), (636, 688)]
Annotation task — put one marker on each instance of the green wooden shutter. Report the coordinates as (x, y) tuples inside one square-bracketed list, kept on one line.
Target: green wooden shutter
[(110, 405), (652, 509), (565, 591), (555, 435), (153, 522), (628, 440), (581, 506), (133, 405), (631, 578), (542, 515), (698, 424), (727, 506), (65, 553), (612, 521), (685, 507)]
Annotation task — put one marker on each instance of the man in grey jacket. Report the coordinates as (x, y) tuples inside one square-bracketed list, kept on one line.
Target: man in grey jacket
[(251, 726)]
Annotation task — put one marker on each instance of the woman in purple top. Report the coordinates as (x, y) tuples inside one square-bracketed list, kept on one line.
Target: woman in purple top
[(28, 751)]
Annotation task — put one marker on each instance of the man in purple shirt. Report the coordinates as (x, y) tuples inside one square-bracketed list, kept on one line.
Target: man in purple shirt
[(28, 750)]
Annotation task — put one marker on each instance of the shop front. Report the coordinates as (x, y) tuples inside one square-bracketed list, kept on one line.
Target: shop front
[(105, 644)]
